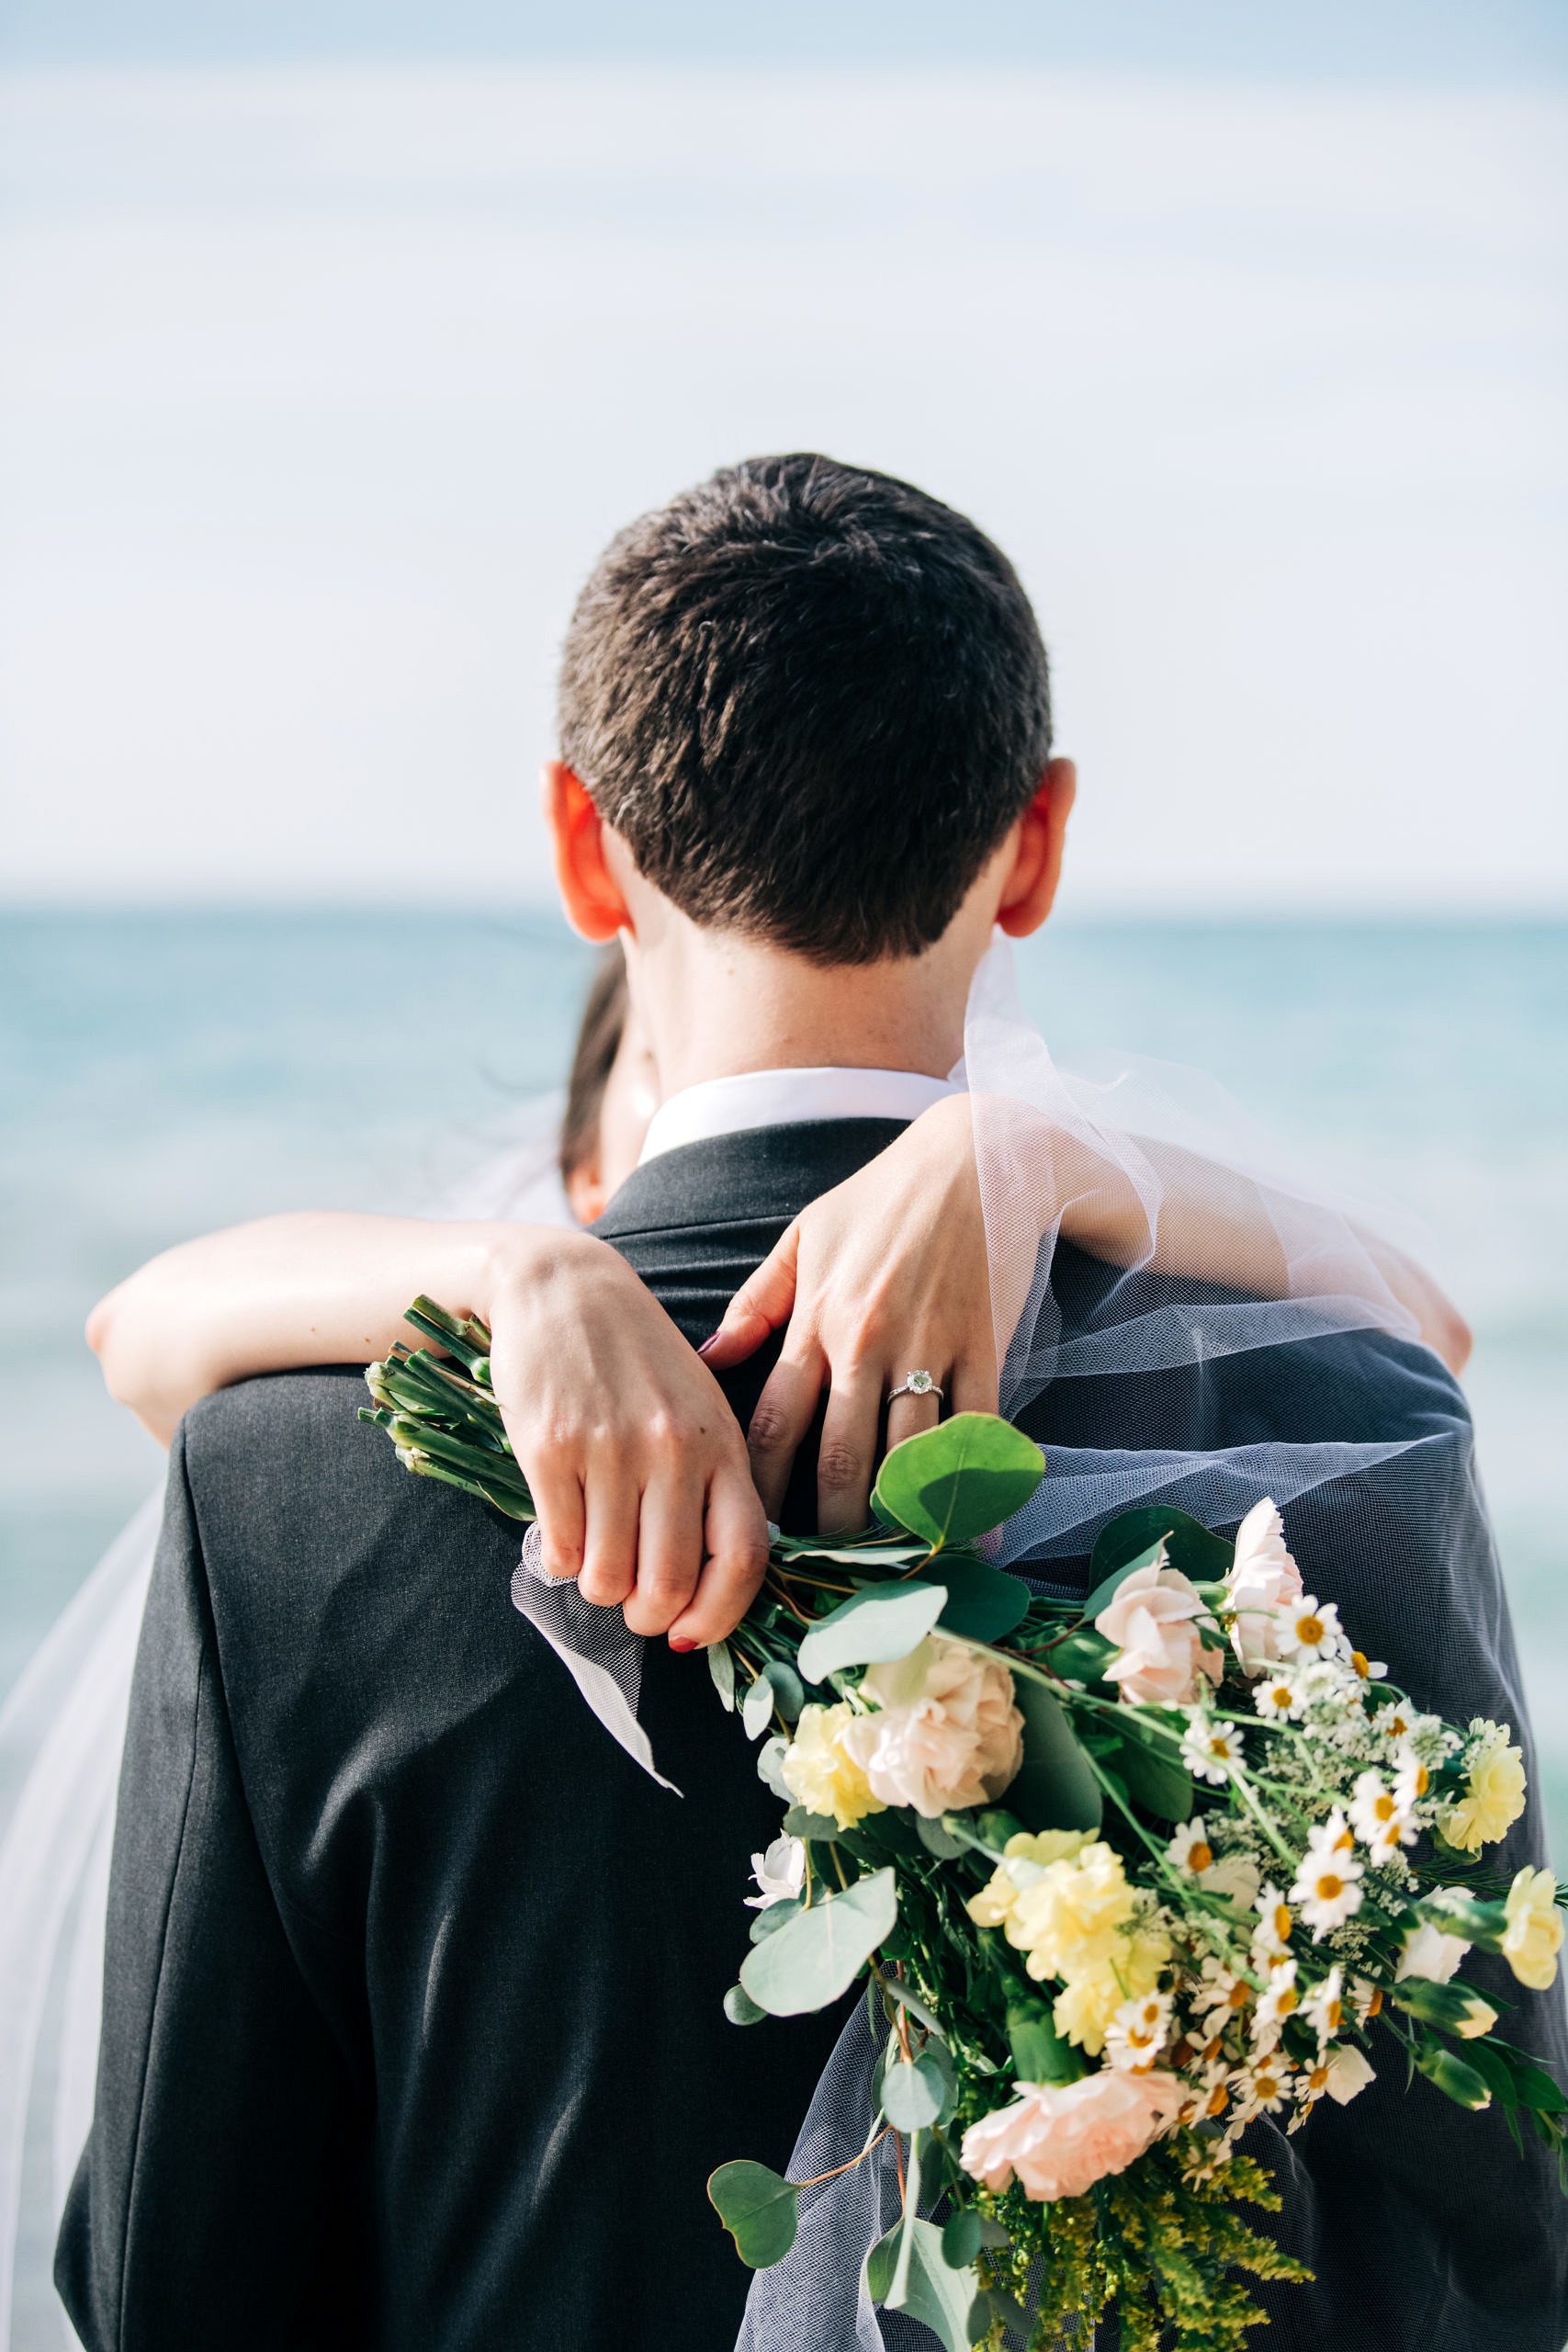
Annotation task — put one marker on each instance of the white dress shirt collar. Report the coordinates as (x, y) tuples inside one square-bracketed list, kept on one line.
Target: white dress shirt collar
[(787, 1098)]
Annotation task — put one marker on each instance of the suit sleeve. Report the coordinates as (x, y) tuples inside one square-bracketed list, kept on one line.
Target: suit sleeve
[(214, 2204)]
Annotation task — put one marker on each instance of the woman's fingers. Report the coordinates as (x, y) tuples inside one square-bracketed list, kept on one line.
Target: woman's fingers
[(909, 1413), (610, 1539), (846, 1459), (780, 1420), (556, 1490), (668, 1548), (737, 1537), (764, 1301)]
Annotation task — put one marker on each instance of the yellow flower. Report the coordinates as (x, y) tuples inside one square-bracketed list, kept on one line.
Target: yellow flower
[(1533, 1937), (1495, 1798), (820, 1774), (1093, 1993), (993, 1906), (1066, 1918)]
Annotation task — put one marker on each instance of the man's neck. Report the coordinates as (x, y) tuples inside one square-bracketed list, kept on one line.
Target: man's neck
[(714, 1005)]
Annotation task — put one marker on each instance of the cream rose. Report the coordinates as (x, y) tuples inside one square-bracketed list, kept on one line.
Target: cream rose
[(1059, 2139), (1152, 1618), (1533, 1937), (1262, 1581), (945, 1735)]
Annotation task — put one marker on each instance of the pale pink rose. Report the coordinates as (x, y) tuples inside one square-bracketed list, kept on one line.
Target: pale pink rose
[(1263, 1581), (1152, 1618), (1060, 2137), (946, 1732)]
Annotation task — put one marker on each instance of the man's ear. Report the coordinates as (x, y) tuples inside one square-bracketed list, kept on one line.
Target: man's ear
[(1030, 888), (589, 893)]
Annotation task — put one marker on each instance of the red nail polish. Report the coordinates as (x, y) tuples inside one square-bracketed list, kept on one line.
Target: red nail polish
[(680, 1642)]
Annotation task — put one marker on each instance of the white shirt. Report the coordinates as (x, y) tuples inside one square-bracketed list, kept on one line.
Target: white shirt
[(785, 1098)]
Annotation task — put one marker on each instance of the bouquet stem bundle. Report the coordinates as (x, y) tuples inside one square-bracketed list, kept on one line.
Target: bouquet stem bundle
[(1122, 1875)]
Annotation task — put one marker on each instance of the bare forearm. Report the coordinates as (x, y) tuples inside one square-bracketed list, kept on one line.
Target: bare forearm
[(316, 1287)]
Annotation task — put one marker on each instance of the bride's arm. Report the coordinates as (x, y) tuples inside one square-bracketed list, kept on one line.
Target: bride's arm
[(636, 1462), (892, 1271)]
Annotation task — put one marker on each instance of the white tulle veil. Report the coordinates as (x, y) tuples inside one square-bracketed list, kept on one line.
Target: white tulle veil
[(1142, 1135)]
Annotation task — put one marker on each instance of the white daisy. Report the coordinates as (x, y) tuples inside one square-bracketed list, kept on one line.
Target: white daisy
[(1136, 2033), (1365, 1668), (1262, 2087), (1221, 1994), (1190, 1848), (1278, 1696), (1271, 1937), (1211, 1750), (1411, 1782), (1328, 1885), (1323, 2008), (1309, 1628), (1278, 2000), (1381, 1822)]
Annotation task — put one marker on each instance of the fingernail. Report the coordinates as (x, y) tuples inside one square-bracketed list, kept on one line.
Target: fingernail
[(711, 1342), (682, 1643)]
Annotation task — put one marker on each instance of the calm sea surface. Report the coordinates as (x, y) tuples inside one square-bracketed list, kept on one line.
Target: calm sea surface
[(163, 1073)]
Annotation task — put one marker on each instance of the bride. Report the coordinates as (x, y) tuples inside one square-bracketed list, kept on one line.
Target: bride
[(648, 1491)]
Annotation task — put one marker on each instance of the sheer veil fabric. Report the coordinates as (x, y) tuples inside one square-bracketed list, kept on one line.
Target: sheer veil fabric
[(1157, 1145)]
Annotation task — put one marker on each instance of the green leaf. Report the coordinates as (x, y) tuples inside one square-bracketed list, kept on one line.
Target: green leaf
[(1155, 1776), (721, 1665), (817, 1954), (1133, 1535), (785, 1683), (1054, 1787), (872, 1628), (1105, 1592), (1039, 2052), (1082, 1657), (760, 2211), (936, 1841), (984, 1604), (1533, 2087), (914, 2092), (894, 1989), (960, 1479), (818, 1826), (757, 1708), (960, 2238), (933, 2290), (741, 2008)]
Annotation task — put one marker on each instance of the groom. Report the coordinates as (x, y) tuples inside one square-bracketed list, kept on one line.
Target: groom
[(413, 2026)]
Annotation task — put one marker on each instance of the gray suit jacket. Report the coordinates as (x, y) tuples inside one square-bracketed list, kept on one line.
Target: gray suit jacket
[(413, 2033)]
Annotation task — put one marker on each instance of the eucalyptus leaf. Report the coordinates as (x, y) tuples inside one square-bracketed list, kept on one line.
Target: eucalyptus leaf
[(1190, 1546), (872, 1628), (1040, 2055), (984, 1604), (741, 2008), (818, 1828), (721, 1665), (757, 1708), (959, 1480), (914, 2092), (1054, 1787), (932, 2290), (787, 1689), (938, 1840), (1105, 1592), (960, 2238), (760, 2211), (772, 1916), (818, 1953), (895, 1988)]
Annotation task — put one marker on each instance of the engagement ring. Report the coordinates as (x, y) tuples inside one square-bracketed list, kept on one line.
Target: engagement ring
[(918, 1384)]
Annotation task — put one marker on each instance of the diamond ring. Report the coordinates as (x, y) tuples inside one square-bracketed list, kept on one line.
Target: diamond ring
[(916, 1383)]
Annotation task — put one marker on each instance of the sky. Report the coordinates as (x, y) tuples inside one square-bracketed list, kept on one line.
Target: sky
[(340, 338)]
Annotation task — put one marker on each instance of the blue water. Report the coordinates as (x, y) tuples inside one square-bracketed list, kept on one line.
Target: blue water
[(162, 1073)]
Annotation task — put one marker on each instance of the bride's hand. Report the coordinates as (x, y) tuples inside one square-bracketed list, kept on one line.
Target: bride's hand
[(636, 1462), (885, 1275)]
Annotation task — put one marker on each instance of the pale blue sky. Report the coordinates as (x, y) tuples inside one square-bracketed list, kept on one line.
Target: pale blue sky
[(330, 366)]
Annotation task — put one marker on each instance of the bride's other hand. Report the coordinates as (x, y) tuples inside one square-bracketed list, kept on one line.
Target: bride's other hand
[(636, 1462), (885, 1275)]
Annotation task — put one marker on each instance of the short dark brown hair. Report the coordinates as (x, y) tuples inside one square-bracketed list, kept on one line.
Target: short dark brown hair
[(811, 699)]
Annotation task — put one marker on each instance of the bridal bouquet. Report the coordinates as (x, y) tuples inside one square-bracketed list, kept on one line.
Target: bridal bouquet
[(1122, 1875)]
